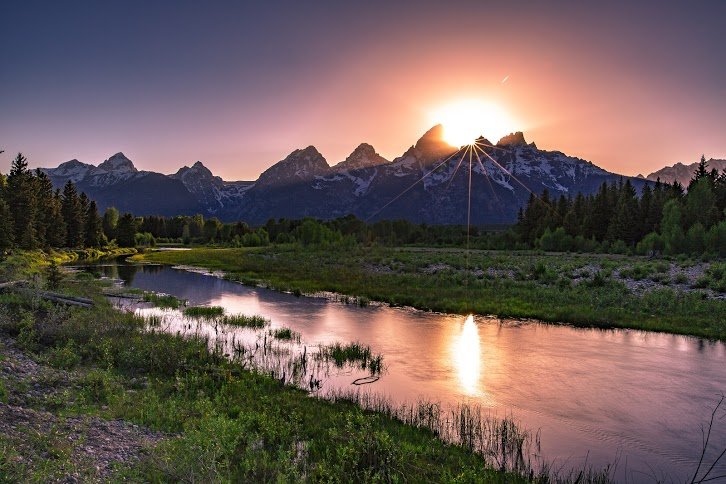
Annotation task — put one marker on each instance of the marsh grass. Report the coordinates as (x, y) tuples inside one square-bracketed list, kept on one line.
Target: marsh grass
[(206, 312), (285, 334), (352, 353), (242, 320), (534, 289), (163, 300)]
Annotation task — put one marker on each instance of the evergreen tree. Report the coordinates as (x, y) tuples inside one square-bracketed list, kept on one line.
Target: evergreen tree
[(645, 223), (56, 228), (700, 203), (600, 214), (93, 230), (71, 210), (6, 227), (624, 222), (701, 171), (126, 231), (20, 197), (44, 219), (84, 203)]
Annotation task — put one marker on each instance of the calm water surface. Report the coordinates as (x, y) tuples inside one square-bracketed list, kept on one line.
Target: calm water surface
[(597, 396)]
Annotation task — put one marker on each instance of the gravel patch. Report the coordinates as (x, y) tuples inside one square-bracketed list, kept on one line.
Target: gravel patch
[(93, 446)]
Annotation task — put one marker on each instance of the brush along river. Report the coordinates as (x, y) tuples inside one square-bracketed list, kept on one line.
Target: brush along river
[(597, 397)]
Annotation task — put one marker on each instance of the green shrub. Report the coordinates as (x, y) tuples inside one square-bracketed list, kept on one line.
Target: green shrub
[(362, 453), (680, 278), (97, 387), (65, 357)]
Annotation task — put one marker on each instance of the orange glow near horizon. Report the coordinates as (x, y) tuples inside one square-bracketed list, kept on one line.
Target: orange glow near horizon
[(464, 121)]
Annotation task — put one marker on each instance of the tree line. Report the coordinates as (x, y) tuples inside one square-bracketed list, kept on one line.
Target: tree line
[(663, 219), (33, 215)]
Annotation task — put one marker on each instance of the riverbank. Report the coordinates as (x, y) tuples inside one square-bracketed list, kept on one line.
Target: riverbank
[(24, 265), (679, 296), (90, 393)]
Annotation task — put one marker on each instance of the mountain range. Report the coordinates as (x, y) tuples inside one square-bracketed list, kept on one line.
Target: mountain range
[(683, 173), (429, 183)]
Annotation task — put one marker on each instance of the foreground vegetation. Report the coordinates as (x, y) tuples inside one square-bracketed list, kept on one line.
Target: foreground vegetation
[(211, 420), (576, 289)]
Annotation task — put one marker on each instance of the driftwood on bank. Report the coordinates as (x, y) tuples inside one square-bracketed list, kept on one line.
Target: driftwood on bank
[(51, 296), (4, 285), (135, 297), (63, 299)]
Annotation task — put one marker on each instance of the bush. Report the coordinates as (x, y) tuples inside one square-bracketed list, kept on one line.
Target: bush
[(65, 357), (362, 454)]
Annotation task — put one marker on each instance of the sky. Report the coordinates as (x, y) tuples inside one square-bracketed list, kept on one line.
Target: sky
[(631, 86)]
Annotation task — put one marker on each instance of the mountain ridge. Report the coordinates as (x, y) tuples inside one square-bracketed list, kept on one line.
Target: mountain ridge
[(683, 173), (425, 184)]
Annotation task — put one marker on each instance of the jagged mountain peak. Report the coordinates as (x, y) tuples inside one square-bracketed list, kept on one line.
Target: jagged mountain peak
[(364, 156), (301, 164), (309, 153), (683, 173), (118, 163), (513, 139), (197, 169), (431, 146)]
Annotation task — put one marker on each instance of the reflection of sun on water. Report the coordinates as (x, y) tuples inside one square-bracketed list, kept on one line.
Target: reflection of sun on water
[(467, 356)]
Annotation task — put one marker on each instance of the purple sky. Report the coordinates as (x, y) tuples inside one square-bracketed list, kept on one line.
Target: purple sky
[(631, 86)]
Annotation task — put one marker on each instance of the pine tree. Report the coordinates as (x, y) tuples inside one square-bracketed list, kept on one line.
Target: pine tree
[(44, 219), (93, 230), (6, 227), (701, 171), (55, 231), (624, 222), (126, 231), (20, 197), (700, 203), (71, 210), (645, 224)]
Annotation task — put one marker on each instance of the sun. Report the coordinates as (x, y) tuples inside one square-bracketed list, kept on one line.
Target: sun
[(464, 121)]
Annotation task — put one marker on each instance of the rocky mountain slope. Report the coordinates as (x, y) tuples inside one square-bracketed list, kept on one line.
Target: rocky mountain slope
[(683, 173), (428, 183)]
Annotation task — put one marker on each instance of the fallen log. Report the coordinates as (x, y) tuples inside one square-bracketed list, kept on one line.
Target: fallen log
[(135, 297), (63, 299), (3, 285)]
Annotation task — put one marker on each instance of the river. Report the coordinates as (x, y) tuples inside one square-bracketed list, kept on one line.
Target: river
[(597, 396)]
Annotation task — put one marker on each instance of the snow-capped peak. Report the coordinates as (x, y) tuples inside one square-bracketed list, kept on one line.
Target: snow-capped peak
[(118, 163), (364, 156)]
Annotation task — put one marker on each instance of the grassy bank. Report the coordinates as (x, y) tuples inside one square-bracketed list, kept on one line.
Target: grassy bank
[(210, 420), (18, 265), (583, 290)]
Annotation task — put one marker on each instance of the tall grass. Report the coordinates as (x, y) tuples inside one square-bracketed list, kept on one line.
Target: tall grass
[(355, 353), (207, 312), (162, 300), (534, 290), (242, 320)]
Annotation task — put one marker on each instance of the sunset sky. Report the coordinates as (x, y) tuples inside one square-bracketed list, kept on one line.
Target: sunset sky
[(630, 86)]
